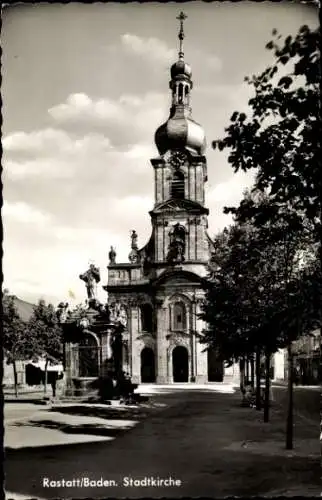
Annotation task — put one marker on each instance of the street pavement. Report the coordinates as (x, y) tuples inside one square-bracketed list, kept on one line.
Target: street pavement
[(306, 400), (201, 442)]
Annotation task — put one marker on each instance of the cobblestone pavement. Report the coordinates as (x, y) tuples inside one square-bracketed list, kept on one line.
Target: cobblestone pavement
[(202, 439)]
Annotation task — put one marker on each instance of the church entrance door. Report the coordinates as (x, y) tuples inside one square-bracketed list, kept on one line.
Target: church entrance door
[(215, 367), (147, 365), (180, 364)]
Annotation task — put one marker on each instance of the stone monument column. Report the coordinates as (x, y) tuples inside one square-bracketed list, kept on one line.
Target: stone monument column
[(107, 353), (135, 345)]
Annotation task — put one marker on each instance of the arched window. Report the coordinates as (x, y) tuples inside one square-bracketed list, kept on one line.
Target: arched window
[(146, 318), (177, 185), (180, 93), (179, 319), (186, 94)]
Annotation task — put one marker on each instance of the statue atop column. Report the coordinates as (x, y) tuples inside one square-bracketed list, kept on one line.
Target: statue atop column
[(112, 255), (91, 277), (134, 238)]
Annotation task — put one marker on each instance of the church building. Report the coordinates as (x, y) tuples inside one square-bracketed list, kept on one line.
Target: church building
[(163, 284)]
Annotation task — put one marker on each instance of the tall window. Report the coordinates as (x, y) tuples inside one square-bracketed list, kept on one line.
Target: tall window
[(177, 185), (146, 318), (179, 320), (180, 93)]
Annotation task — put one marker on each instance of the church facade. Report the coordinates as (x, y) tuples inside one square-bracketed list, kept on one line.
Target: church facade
[(163, 284)]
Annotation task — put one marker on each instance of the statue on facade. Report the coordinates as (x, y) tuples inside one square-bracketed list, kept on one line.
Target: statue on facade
[(91, 277), (134, 238), (134, 255), (177, 246), (112, 255), (118, 314)]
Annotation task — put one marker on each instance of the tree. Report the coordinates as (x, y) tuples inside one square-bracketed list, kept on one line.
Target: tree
[(249, 305), (239, 306), (280, 138), (45, 329), (17, 343)]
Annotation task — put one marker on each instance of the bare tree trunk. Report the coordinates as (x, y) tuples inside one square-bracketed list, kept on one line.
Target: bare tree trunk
[(46, 377), (15, 377), (252, 370), (242, 373), (289, 420), (258, 380), (247, 368), (267, 386)]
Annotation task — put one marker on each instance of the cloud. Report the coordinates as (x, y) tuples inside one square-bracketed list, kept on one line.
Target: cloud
[(22, 212), (231, 190), (48, 153), (43, 168), (125, 121), (37, 142), (152, 48)]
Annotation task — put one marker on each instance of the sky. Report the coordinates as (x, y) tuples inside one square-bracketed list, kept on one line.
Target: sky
[(84, 88)]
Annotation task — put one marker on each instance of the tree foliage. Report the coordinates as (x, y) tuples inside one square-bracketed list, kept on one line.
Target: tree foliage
[(17, 343), (280, 137), (264, 292), (44, 327)]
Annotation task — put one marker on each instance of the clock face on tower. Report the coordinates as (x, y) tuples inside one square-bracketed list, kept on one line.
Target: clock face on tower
[(177, 159)]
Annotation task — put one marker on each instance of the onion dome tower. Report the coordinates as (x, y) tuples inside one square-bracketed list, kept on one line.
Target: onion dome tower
[(180, 131)]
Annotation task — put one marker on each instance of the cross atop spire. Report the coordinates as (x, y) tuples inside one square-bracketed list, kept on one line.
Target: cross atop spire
[(181, 17)]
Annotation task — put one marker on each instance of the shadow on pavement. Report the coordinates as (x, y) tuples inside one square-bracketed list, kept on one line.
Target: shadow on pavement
[(108, 413), (91, 429)]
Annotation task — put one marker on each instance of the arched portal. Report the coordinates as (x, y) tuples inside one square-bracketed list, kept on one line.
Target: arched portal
[(180, 364), (88, 356), (215, 366), (147, 365)]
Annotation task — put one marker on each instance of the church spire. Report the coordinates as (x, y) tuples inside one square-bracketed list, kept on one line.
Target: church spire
[(180, 131), (181, 17)]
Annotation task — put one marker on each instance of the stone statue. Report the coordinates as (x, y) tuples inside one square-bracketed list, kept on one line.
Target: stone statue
[(134, 255), (112, 255), (118, 314), (62, 311), (134, 238), (177, 244), (91, 276)]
